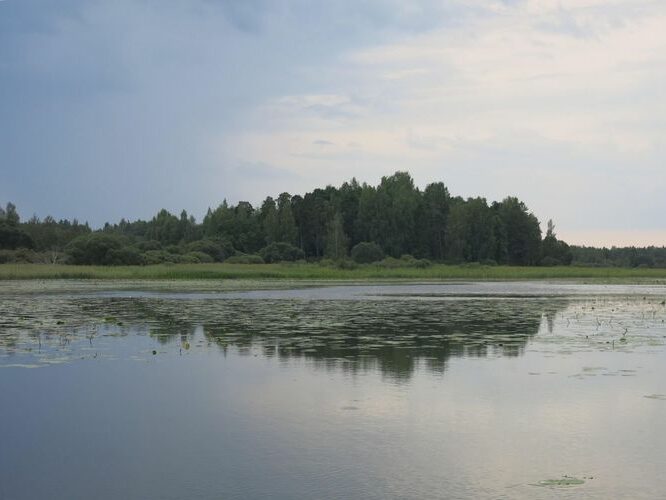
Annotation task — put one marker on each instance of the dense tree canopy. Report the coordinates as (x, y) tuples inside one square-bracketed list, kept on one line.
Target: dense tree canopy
[(394, 219)]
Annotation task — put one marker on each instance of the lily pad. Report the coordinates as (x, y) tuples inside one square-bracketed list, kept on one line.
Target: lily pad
[(562, 482)]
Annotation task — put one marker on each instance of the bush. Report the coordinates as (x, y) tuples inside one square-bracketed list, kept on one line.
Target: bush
[(145, 246), (96, 249), (22, 256), (404, 261), (152, 257), (175, 249), (391, 263), (197, 258), (244, 259), (366, 253), (218, 250), (488, 262), (125, 256), (12, 237), (422, 263), (6, 256), (411, 261), (279, 252), (346, 264), (550, 262)]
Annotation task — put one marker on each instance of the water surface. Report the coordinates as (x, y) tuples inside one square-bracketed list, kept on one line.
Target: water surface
[(482, 390)]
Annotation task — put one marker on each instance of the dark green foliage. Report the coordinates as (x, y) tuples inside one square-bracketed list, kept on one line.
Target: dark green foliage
[(196, 258), (336, 239), (12, 236), (23, 256), (239, 226), (367, 252), (472, 231), (395, 218), (286, 224), (619, 257), (432, 222), (404, 261), (549, 261), (345, 264), (280, 251), (124, 256), (9, 215), (152, 257), (146, 246), (96, 249), (218, 250), (522, 232), (245, 259), (554, 252)]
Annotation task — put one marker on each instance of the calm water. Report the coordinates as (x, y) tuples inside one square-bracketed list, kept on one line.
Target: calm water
[(486, 390)]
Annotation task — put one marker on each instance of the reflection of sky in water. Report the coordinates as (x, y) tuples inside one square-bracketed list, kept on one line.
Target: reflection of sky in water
[(394, 329), (474, 397)]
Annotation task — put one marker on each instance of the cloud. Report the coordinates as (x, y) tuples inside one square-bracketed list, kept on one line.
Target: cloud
[(120, 108)]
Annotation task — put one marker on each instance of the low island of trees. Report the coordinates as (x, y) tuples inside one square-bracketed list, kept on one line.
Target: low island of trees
[(393, 224)]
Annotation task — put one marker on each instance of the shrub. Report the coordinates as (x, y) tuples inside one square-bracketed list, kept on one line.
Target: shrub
[(95, 249), (391, 263), (412, 261), (175, 249), (145, 246), (550, 262), (278, 252), (22, 256), (125, 256), (6, 256), (244, 259), (346, 264), (218, 250), (152, 257), (422, 263), (367, 252), (12, 237), (197, 258), (404, 261)]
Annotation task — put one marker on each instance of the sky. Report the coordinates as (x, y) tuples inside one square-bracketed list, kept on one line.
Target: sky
[(118, 109)]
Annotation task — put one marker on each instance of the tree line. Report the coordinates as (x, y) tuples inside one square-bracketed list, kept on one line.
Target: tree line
[(354, 222)]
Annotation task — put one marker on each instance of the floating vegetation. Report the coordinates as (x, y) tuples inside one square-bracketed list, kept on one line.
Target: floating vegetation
[(354, 328), (661, 397), (564, 481)]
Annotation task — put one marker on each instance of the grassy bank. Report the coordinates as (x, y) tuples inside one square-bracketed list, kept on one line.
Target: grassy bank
[(317, 272)]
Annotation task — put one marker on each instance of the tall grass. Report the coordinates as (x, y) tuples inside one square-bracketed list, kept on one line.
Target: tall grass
[(317, 272)]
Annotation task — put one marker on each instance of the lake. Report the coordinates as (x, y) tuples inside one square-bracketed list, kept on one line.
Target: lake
[(208, 390)]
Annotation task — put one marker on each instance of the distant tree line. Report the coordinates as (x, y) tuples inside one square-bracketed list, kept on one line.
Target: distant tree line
[(394, 222), (619, 257)]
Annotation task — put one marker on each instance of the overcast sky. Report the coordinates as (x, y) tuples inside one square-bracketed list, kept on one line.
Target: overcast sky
[(113, 109)]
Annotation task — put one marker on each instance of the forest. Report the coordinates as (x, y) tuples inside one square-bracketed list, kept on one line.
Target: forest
[(394, 223)]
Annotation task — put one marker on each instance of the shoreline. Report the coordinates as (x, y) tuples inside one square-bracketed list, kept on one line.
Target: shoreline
[(315, 272)]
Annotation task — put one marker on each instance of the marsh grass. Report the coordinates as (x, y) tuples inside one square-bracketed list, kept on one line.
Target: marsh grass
[(305, 271)]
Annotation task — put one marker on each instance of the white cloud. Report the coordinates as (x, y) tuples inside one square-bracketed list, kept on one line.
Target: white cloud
[(558, 102), (563, 94)]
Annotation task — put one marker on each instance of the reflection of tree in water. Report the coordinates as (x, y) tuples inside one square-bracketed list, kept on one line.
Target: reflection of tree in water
[(393, 335)]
